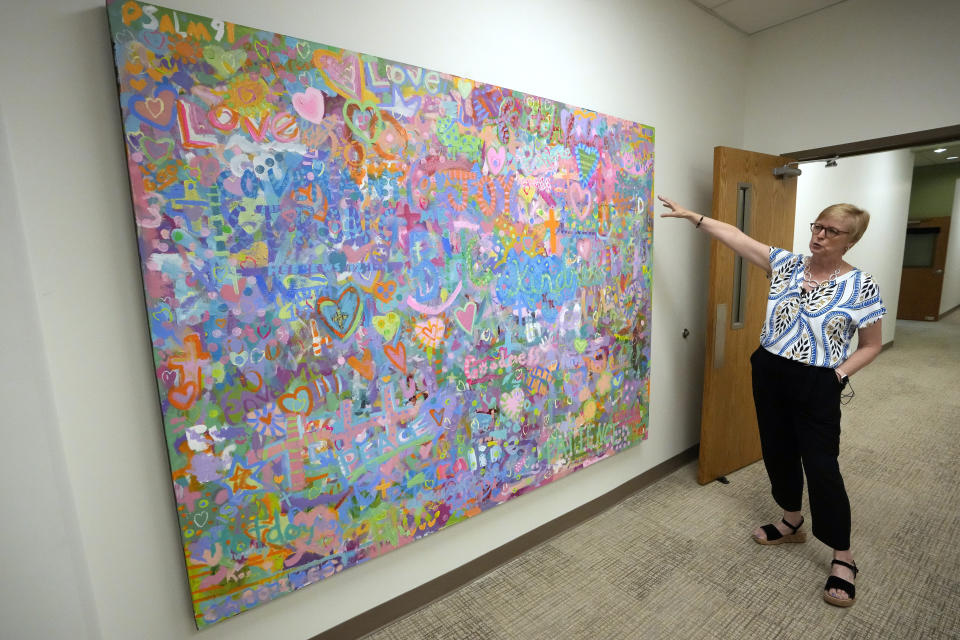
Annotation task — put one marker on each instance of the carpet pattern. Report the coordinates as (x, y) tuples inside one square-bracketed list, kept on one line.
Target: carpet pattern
[(675, 560)]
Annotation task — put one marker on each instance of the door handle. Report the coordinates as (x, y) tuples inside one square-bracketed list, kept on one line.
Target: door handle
[(938, 272)]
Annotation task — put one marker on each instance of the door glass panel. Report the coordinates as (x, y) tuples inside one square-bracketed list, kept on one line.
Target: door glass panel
[(920, 247)]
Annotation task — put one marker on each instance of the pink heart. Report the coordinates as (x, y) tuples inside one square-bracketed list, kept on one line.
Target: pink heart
[(580, 200), (156, 110), (496, 157), (584, 248), (344, 73), (466, 315), (309, 104)]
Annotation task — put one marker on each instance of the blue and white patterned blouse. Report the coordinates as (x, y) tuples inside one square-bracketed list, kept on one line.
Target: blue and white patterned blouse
[(816, 327)]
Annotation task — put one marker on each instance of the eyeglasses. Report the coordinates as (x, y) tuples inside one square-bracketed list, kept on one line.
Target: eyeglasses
[(832, 232), (847, 394)]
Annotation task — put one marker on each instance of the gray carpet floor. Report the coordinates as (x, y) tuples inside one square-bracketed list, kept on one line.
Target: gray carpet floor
[(675, 560)]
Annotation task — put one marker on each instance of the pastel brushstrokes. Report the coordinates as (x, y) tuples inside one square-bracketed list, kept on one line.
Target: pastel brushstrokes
[(382, 299)]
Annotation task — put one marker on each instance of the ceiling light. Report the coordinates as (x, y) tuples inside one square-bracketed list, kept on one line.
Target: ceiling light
[(952, 158), (940, 150)]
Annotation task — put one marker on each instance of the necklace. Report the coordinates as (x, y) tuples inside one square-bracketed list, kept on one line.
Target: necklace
[(807, 279)]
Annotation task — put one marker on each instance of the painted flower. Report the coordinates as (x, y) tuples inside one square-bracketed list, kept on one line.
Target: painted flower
[(267, 421)]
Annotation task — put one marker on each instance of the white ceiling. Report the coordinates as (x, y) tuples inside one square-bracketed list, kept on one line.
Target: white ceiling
[(751, 16)]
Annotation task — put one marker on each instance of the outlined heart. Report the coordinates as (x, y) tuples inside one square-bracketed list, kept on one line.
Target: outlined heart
[(310, 105), (364, 365), (465, 316), (397, 356), (580, 345), (183, 396), (436, 418), (387, 325), (364, 120), (156, 110), (262, 49), (341, 316), (342, 73), (157, 150), (299, 401), (430, 332)]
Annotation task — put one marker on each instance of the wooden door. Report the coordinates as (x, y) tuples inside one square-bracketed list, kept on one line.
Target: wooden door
[(745, 194), (924, 258)]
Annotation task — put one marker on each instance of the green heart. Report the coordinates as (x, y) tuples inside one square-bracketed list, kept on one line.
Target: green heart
[(580, 345), (464, 87), (376, 125), (303, 50), (387, 325)]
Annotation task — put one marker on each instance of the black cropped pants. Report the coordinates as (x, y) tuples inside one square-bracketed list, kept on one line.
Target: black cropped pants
[(798, 411)]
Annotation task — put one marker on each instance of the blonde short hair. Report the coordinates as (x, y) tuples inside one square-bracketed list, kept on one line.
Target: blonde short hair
[(859, 217)]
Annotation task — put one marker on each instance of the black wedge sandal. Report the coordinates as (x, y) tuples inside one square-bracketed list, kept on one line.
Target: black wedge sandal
[(775, 537), (836, 582)]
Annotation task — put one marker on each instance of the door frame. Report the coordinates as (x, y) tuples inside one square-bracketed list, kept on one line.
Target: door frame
[(876, 145)]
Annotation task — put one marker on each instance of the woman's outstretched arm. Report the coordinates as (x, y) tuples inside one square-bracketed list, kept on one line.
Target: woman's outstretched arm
[(752, 250)]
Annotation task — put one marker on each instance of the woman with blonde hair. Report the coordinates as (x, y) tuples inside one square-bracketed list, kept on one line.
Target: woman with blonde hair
[(816, 304)]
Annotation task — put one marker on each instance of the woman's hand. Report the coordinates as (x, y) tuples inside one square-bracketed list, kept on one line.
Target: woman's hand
[(751, 250), (676, 211)]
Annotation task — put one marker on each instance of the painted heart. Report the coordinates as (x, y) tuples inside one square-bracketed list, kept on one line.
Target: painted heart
[(437, 416), (464, 86), (134, 66), (201, 519), (183, 396), (157, 150), (363, 119), (587, 160), (397, 356), (300, 401), (466, 315), (303, 50), (383, 291), (430, 332), (341, 316), (496, 158), (231, 61), (580, 199), (262, 49), (156, 110), (310, 105), (387, 325), (580, 345), (342, 73), (527, 192), (138, 84), (134, 139), (364, 365), (154, 39)]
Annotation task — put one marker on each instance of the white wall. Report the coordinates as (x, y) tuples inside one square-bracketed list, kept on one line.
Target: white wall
[(660, 62), (38, 542), (879, 183), (950, 295), (857, 70)]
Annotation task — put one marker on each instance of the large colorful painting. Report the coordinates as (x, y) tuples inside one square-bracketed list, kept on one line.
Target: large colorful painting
[(382, 299)]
